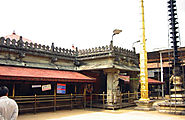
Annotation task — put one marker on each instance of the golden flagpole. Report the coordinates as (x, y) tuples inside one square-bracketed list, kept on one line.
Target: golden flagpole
[(143, 63)]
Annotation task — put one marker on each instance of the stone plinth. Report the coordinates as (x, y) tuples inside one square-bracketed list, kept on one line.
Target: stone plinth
[(145, 105), (176, 103), (172, 108)]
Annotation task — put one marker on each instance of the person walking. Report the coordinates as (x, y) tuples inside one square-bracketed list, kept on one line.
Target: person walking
[(8, 107)]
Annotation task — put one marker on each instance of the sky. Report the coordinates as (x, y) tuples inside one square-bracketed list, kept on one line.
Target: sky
[(90, 23)]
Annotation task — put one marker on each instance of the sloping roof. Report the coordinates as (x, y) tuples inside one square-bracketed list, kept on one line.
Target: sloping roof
[(20, 73), (150, 81), (17, 37), (153, 81), (125, 78)]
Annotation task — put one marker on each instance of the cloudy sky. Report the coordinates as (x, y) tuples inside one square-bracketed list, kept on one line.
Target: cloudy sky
[(89, 23)]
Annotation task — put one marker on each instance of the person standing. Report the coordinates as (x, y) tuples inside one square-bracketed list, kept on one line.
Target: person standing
[(8, 107)]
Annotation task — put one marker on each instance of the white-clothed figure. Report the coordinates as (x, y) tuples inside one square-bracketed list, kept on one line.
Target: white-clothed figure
[(8, 107)]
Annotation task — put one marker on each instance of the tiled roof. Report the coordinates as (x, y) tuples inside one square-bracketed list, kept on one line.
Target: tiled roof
[(150, 81), (125, 78), (17, 37), (153, 81), (18, 73)]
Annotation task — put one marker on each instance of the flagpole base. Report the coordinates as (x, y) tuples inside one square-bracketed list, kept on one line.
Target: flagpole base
[(146, 105)]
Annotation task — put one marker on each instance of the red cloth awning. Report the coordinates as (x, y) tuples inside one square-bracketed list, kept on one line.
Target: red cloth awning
[(150, 81), (35, 74)]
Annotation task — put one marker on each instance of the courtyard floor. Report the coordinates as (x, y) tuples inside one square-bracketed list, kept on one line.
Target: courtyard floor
[(100, 114)]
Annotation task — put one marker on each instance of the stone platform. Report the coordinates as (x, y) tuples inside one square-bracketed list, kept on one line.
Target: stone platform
[(172, 108), (145, 105)]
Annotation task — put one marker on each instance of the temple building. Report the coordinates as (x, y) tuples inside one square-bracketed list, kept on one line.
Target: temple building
[(29, 68)]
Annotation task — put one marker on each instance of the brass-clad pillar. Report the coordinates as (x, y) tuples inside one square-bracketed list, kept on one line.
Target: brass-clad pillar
[(144, 102), (75, 89), (55, 89), (143, 63), (13, 92), (55, 95)]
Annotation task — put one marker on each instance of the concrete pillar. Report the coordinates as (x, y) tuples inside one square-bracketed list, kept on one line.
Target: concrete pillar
[(113, 89)]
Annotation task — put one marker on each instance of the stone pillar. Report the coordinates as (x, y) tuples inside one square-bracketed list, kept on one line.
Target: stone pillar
[(134, 82), (113, 89)]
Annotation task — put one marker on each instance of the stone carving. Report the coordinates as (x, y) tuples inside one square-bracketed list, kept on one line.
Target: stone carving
[(20, 42), (54, 59), (7, 41)]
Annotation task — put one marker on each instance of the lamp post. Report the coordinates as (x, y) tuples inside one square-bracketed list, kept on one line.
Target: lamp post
[(116, 31), (135, 43), (161, 64)]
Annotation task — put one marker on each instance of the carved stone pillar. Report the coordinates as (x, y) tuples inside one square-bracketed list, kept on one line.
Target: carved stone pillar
[(113, 89)]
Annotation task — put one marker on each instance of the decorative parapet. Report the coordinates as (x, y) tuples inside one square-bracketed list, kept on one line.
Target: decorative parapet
[(120, 55), (124, 52), (125, 56), (97, 51), (94, 51), (36, 47)]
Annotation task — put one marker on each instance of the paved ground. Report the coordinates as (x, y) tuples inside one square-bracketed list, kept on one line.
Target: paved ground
[(97, 114)]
